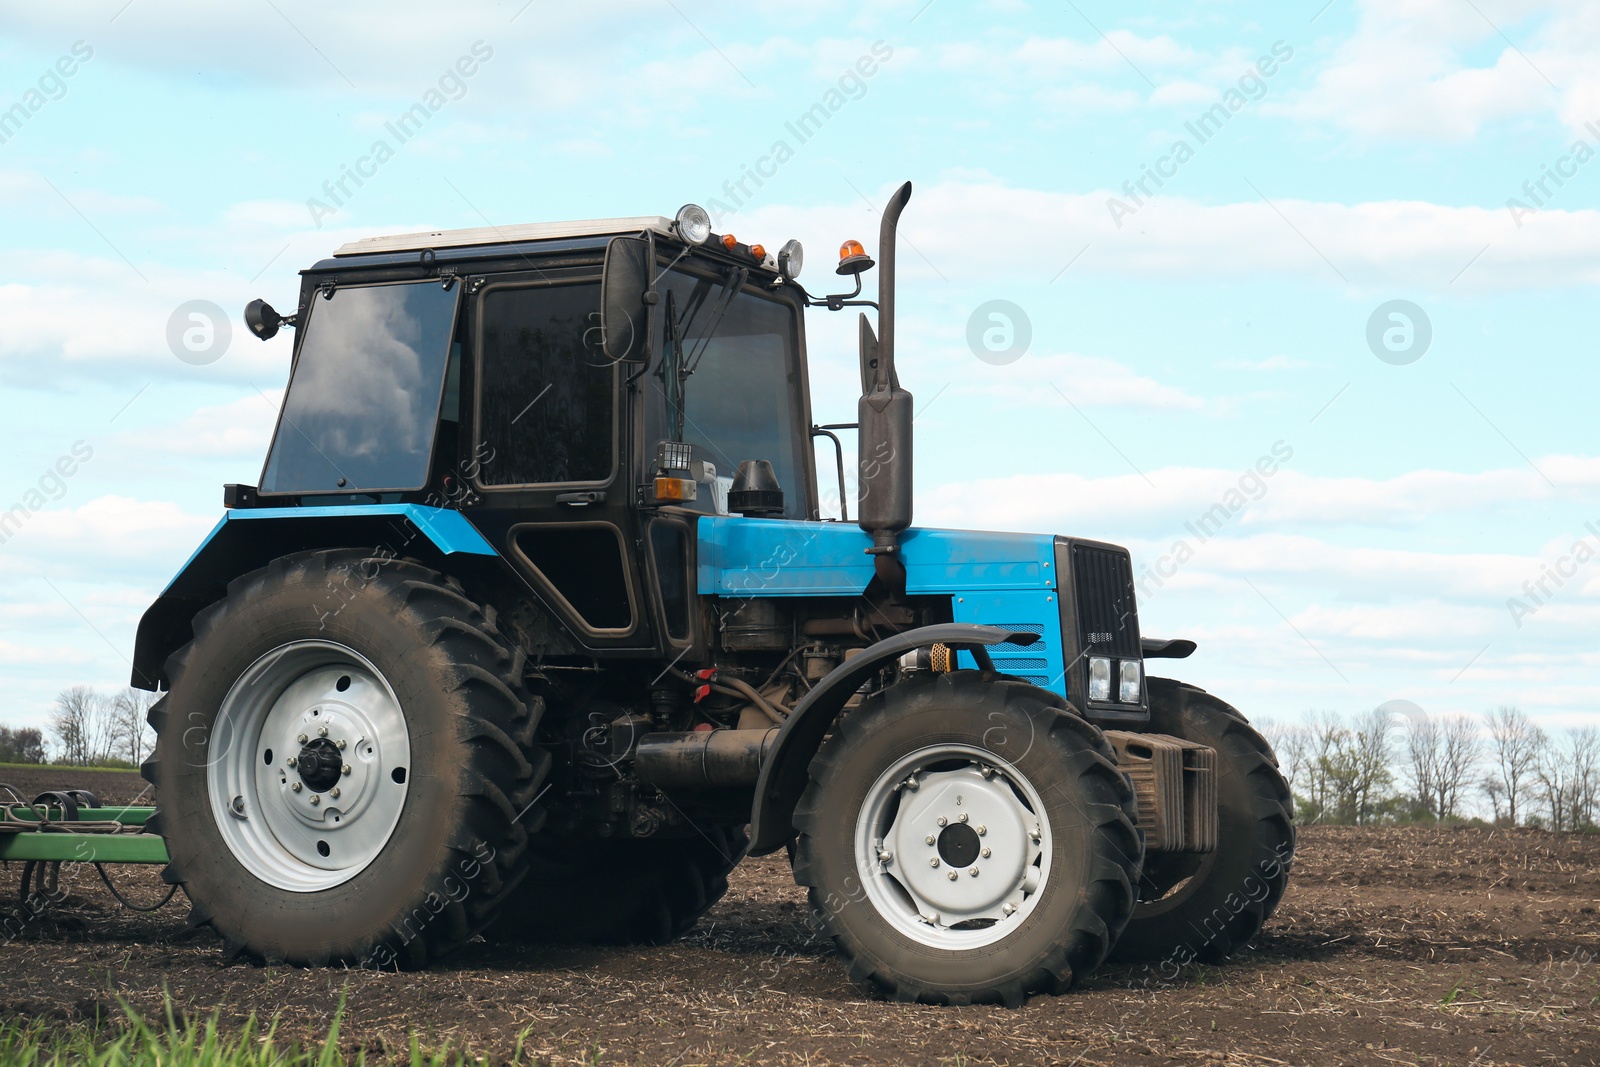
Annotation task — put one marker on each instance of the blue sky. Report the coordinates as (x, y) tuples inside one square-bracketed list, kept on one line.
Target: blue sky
[(1173, 347)]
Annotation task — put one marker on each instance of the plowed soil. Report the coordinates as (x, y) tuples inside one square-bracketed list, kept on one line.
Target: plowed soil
[(1393, 946)]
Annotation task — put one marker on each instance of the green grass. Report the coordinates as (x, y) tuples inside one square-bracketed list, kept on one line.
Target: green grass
[(135, 1042), (126, 768)]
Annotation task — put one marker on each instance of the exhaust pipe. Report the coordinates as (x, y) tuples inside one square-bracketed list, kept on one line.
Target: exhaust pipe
[(884, 411)]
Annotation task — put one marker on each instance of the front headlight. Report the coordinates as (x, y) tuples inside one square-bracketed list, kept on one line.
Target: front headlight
[(693, 224), (791, 257), (1099, 678), (1128, 687)]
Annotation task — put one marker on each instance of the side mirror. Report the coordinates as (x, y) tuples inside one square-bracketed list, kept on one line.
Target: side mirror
[(262, 319), (624, 291)]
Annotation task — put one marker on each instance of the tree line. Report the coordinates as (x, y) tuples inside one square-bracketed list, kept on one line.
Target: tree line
[(87, 729), (1405, 766)]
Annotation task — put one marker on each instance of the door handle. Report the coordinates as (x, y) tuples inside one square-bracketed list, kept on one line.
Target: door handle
[(593, 496)]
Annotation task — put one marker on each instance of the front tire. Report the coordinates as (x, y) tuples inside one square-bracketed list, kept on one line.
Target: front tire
[(934, 784), (345, 763), (1207, 907)]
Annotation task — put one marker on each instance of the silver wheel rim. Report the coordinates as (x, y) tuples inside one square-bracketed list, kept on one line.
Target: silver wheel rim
[(298, 822), (953, 810)]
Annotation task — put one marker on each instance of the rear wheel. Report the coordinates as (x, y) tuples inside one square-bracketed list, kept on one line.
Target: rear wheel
[(620, 892), (967, 839), (1206, 907), (344, 763)]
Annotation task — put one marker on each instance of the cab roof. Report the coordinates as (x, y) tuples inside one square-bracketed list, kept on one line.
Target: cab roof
[(499, 235)]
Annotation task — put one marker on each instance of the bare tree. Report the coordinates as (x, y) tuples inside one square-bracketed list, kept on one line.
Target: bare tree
[(1291, 744), (1370, 750), (1463, 749), (1566, 773), (1552, 782), (71, 723), (129, 709), (1425, 753), (1324, 736), (85, 725), (1355, 770), (1514, 742)]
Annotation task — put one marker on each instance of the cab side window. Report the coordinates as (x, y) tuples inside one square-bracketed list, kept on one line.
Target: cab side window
[(546, 396)]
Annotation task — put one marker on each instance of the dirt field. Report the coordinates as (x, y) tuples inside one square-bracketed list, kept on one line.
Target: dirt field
[(1393, 947)]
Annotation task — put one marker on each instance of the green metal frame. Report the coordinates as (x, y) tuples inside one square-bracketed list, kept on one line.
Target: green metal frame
[(67, 846)]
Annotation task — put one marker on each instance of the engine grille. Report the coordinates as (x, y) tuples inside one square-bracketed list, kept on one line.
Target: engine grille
[(1107, 614), (1099, 617)]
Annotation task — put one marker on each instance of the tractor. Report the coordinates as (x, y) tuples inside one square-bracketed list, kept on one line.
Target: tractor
[(533, 628)]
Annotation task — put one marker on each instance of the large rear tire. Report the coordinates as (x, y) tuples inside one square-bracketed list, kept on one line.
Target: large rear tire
[(619, 892), (345, 766), (1207, 907), (968, 839)]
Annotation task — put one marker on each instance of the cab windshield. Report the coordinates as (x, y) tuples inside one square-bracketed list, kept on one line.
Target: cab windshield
[(741, 398)]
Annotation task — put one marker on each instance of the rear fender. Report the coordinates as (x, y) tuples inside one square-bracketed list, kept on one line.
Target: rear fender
[(249, 538), (784, 774)]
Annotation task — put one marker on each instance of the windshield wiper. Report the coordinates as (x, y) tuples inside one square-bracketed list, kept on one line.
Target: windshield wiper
[(675, 369)]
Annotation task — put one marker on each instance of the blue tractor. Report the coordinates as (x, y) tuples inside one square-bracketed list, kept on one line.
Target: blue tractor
[(533, 629)]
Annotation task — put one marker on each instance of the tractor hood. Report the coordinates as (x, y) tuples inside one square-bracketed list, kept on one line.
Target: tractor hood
[(1076, 595)]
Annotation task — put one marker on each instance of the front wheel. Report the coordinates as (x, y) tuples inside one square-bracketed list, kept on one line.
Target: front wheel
[(967, 839)]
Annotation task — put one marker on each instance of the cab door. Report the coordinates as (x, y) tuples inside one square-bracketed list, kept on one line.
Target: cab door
[(549, 454)]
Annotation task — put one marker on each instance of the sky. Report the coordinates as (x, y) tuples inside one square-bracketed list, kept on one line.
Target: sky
[(1295, 300)]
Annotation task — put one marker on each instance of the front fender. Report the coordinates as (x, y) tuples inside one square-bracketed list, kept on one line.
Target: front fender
[(783, 775), (249, 538)]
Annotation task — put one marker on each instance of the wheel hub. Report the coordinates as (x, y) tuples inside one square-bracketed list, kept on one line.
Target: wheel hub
[(318, 764), (959, 844)]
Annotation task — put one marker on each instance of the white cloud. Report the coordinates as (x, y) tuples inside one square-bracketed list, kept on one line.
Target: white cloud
[(1405, 73), (241, 429), (1288, 499)]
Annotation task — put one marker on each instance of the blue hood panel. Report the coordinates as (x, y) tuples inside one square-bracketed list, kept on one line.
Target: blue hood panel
[(780, 557), (995, 579)]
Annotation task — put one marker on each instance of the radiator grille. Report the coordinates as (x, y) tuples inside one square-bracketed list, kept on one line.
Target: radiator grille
[(1107, 620)]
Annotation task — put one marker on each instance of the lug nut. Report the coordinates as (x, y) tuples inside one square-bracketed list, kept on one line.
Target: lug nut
[(334, 793), (982, 829), (302, 739), (929, 839), (934, 862), (345, 769), (340, 744), (985, 853), (962, 817), (942, 821), (952, 876), (315, 800), (295, 787), (973, 871), (322, 732)]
